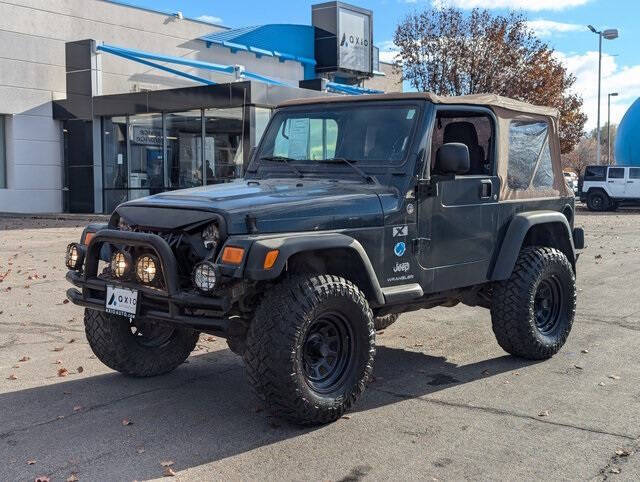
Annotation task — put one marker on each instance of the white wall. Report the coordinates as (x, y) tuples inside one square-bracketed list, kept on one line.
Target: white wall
[(32, 74)]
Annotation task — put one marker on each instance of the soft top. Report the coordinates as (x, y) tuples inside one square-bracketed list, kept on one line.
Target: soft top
[(489, 100)]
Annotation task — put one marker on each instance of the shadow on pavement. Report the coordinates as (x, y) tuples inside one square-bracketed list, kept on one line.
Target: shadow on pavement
[(201, 413)]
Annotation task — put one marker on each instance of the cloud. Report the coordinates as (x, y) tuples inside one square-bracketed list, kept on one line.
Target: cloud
[(209, 19), (623, 80), (547, 28), (531, 5), (388, 51)]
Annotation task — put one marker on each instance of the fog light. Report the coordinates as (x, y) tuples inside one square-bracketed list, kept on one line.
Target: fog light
[(205, 277), (74, 257), (146, 268), (120, 263)]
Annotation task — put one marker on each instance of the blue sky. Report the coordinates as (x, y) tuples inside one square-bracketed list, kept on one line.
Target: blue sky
[(561, 23)]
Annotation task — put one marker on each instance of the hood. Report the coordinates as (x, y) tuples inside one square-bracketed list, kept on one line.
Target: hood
[(277, 205)]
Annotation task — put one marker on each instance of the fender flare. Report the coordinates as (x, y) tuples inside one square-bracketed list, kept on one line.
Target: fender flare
[(514, 237), (293, 244)]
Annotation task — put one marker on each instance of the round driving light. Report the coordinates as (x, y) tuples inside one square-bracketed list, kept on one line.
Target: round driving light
[(211, 236), (120, 263), (74, 256), (146, 268), (123, 225), (205, 277)]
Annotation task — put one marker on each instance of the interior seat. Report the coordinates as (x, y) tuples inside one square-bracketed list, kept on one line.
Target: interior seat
[(465, 133)]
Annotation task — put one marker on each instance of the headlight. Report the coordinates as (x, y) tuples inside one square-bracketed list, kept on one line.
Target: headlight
[(120, 264), (74, 256), (205, 277), (211, 236), (146, 268), (123, 225)]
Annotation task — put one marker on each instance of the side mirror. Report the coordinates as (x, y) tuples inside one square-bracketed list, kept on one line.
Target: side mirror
[(453, 158)]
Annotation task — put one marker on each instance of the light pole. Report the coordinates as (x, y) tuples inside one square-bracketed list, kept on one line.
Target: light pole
[(611, 94), (608, 34)]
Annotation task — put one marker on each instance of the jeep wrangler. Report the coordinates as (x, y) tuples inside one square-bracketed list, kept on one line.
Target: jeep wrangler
[(352, 210), (606, 188)]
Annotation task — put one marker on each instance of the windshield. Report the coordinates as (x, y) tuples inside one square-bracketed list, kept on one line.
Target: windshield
[(374, 134)]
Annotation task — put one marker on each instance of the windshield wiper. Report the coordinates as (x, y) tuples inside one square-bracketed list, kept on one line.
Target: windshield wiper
[(285, 160), (335, 160)]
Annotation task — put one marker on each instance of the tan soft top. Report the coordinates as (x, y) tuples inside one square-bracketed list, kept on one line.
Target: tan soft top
[(490, 100)]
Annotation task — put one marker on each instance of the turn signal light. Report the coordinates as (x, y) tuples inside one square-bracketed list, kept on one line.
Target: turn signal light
[(232, 255), (270, 259), (88, 237)]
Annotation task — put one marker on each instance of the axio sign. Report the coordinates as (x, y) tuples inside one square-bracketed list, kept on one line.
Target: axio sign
[(354, 32), (343, 39)]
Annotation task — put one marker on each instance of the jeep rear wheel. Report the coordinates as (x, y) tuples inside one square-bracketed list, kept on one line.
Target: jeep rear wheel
[(532, 312), (136, 348), (310, 349), (597, 201)]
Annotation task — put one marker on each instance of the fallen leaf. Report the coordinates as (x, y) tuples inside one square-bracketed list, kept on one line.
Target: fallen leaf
[(15, 366), (12, 377), (79, 369), (347, 417), (614, 377), (31, 462), (602, 384), (58, 348), (63, 372), (42, 478), (598, 256), (126, 421), (140, 450), (72, 478), (614, 470), (72, 340), (77, 408), (623, 452), (544, 413), (167, 463), (57, 362), (579, 367), (65, 301), (211, 338), (418, 344), (24, 359), (168, 472), (585, 351)]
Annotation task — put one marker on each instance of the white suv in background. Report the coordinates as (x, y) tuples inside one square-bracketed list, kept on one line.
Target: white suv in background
[(604, 188), (572, 181)]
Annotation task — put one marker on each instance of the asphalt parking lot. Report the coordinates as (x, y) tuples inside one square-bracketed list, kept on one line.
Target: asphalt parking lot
[(446, 403)]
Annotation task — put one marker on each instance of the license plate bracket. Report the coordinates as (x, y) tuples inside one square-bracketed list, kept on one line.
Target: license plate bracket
[(121, 301)]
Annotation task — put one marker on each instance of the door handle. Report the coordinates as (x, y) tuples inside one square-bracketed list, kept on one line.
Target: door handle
[(486, 188), (611, 181), (629, 182)]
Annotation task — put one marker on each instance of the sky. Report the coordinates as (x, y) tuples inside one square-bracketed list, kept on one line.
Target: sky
[(560, 23)]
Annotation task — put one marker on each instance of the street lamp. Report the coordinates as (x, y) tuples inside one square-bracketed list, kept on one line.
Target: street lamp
[(611, 94), (608, 34)]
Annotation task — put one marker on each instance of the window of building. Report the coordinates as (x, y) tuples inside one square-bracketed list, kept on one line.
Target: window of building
[(115, 162), (223, 144), (529, 155), (3, 156), (616, 173), (183, 142), (146, 157)]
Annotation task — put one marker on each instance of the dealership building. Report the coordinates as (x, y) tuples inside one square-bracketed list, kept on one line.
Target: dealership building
[(102, 101)]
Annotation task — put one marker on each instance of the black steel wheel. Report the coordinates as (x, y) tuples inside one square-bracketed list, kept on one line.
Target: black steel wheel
[(597, 201), (310, 348), (135, 348), (532, 312)]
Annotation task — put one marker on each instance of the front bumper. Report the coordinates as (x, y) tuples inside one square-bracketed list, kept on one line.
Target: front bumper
[(169, 303)]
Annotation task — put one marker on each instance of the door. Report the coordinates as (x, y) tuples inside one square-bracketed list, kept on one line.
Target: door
[(459, 218), (616, 183), (633, 183)]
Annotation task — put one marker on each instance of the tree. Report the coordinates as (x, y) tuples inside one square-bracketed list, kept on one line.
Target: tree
[(583, 155), (444, 51), (604, 139)]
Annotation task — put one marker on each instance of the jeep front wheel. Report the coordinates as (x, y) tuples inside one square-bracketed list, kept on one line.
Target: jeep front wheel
[(532, 312), (310, 349), (597, 201), (136, 348)]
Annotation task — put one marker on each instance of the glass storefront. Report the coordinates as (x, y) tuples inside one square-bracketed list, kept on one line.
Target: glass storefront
[(149, 153)]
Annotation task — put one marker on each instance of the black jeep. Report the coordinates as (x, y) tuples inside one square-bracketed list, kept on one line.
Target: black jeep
[(351, 211)]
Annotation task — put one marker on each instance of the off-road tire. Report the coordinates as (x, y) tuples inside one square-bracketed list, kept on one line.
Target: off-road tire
[(597, 201), (277, 344), (382, 322), (515, 303), (112, 341)]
